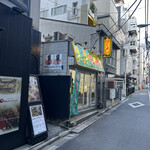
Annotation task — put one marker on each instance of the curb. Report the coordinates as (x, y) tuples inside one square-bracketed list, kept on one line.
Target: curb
[(45, 143)]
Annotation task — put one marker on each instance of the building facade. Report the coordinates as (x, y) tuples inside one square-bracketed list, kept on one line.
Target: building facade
[(72, 11)]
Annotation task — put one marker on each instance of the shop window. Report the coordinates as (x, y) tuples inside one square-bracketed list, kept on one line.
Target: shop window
[(81, 90), (93, 89), (86, 90)]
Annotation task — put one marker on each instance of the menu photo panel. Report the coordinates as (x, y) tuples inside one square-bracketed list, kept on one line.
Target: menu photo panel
[(10, 99), (37, 119)]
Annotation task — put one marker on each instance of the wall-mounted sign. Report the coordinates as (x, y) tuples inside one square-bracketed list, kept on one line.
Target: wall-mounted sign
[(107, 46), (10, 97), (37, 119), (86, 58), (53, 61), (34, 94)]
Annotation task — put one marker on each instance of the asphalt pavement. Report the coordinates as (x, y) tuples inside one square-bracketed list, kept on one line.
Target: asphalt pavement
[(126, 128)]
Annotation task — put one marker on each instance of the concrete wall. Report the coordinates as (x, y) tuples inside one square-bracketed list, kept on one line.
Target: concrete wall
[(35, 13), (79, 32), (54, 48), (103, 7)]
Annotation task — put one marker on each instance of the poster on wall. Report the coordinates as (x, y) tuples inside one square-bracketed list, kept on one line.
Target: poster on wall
[(37, 119), (53, 61), (10, 97), (34, 93), (74, 102)]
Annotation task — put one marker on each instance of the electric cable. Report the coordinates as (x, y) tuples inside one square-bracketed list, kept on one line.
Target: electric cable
[(128, 18), (124, 14)]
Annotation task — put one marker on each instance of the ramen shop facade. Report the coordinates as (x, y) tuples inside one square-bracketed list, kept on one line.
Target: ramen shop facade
[(74, 58)]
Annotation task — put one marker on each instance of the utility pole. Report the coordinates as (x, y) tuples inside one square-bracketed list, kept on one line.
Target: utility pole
[(139, 61)]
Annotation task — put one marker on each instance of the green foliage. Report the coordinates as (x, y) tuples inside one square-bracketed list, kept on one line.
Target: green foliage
[(92, 7)]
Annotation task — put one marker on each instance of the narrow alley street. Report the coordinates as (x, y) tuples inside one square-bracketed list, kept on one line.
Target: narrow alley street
[(126, 128)]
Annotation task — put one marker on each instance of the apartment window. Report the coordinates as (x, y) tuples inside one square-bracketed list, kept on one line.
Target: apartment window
[(133, 71), (59, 10), (22, 3), (132, 43), (132, 24), (44, 13), (74, 8)]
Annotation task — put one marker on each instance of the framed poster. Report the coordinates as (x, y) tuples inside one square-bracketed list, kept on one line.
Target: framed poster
[(37, 119), (10, 97), (53, 61), (25, 4), (34, 92)]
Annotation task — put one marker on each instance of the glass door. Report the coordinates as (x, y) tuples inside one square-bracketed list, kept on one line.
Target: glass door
[(93, 90), (86, 95), (80, 98)]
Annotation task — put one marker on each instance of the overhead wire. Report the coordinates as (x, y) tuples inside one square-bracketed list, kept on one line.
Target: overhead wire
[(128, 18), (114, 12), (124, 14)]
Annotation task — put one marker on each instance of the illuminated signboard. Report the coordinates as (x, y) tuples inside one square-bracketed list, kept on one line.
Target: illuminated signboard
[(107, 44), (87, 59)]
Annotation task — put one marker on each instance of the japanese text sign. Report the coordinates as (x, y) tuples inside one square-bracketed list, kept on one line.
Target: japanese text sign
[(107, 45), (86, 58)]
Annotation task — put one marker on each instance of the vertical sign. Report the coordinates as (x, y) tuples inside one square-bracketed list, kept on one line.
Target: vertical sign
[(107, 46), (74, 102)]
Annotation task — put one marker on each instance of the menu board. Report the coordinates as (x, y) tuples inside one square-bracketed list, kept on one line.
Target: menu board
[(10, 97), (34, 94), (37, 119)]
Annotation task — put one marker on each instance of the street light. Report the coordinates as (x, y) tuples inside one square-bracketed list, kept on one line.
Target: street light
[(141, 26)]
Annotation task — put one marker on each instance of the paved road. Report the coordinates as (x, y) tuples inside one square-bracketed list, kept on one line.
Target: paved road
[(126, 128)]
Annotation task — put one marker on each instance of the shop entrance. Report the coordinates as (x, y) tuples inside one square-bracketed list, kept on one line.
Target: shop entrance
[(87, 91)]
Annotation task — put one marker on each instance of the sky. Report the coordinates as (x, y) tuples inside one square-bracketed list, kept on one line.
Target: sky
[(140, 15)]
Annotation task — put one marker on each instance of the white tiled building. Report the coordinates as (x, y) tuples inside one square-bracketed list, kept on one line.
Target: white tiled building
[(77, 11)]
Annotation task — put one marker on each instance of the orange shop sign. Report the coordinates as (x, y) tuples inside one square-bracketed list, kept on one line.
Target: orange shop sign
[(107, 46)]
